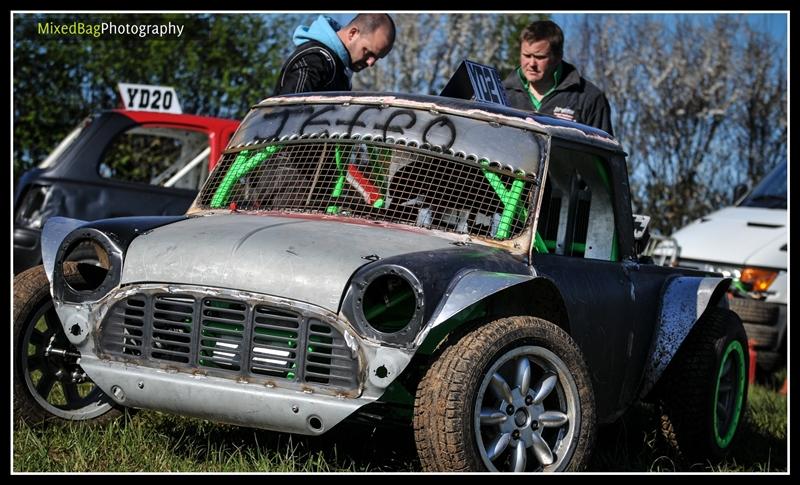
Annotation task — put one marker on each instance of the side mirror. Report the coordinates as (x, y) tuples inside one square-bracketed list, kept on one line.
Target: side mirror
[(739, 191), (641, 234)]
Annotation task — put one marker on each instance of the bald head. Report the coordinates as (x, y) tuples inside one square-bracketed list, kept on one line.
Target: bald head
[(368, 37)]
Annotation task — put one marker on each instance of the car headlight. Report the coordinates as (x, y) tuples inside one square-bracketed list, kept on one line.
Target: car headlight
[(758, 280)]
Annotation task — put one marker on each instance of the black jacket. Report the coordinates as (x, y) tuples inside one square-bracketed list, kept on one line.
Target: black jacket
[(574, 99), (312, 67)]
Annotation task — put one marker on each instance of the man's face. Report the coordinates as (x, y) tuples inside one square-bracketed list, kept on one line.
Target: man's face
[(366, 49), (537, 60)]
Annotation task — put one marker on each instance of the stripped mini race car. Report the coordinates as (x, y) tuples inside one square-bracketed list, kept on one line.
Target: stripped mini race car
[(464, 268)]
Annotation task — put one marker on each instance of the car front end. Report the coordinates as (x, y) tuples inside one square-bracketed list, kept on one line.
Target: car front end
[(310, 269)]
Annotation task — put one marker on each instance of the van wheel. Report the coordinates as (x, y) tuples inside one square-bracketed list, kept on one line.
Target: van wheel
[(48, 382), (705, 387), (512, 395)]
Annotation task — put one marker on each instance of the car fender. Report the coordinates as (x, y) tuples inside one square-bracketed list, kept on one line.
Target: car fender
[(113, 234), (684, 300), (467, 288), (53, 234)]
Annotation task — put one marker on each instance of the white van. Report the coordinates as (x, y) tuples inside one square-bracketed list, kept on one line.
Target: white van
[(747, 242)]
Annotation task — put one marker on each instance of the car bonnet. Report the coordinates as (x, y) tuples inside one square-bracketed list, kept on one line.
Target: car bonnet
[(302, 259)]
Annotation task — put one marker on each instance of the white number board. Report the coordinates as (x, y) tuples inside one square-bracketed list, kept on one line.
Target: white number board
[(145, 97), (486, 83)]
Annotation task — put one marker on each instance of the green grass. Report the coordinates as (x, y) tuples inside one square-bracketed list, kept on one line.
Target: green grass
[(156, 442), (634, 442)]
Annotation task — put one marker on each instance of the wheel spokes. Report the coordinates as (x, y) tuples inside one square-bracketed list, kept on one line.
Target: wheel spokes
[(38, 338), (45, 385), (51, 321), (492, 416), (553, 419), (498, 445), (35, 362), (544, 387), (722, 411), (519, 459), (71, 394), (523, 376), (542, 450), (726, 369), (500, 388), (725, 387)]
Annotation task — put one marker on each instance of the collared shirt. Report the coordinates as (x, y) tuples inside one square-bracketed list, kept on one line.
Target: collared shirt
[(571, 98), (537, 104)]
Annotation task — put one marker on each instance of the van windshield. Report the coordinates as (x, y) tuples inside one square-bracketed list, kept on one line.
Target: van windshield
[(770, 192)]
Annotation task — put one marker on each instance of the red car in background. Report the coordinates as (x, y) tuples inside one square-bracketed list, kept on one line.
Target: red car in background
[(117, 163)]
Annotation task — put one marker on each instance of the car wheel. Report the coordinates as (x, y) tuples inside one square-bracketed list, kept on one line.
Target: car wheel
[(48, 381), (511, 395), (705, 387)]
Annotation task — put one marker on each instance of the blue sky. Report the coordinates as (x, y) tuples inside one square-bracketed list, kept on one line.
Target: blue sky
[(772, 23)]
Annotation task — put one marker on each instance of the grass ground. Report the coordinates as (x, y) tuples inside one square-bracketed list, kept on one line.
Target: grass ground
[(156, 442)]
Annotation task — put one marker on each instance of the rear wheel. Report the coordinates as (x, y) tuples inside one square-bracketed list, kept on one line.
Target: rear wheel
[(705, 387), (513, 395), (48, 381)]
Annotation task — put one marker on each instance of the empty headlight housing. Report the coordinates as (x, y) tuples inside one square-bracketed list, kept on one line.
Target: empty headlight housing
[(387, 303), (99, 264)]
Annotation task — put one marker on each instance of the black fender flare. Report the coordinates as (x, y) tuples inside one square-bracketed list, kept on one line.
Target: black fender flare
[(684, 301)]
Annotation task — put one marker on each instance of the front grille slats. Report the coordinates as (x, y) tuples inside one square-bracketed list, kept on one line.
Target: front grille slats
[(211, 341), (165, 314), (228, 337)]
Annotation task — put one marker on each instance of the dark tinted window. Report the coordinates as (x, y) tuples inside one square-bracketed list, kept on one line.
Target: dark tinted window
[(771, 192)]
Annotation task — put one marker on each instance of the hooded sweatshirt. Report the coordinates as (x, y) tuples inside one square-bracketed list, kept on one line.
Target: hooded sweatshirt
[(320, 62)]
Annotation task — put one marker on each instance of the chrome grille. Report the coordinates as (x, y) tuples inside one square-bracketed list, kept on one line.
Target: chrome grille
[(228, 337), (377, 181)]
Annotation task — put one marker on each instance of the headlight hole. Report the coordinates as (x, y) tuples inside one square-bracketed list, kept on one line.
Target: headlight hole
[(389, 303), (92, 263)]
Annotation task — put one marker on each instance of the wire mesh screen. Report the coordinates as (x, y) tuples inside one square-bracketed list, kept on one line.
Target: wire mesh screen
[(376, 181)]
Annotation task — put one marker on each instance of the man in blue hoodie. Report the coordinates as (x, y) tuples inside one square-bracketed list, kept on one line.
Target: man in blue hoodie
[(327, 54)]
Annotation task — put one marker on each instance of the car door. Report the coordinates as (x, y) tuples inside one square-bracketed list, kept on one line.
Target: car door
[(578, 225)]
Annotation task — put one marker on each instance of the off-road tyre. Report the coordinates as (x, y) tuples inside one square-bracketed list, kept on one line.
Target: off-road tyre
[(36, 326), (754, 311), (448, 431), (704, 389)]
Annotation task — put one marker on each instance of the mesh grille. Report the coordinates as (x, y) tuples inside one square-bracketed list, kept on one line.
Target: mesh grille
[(228, 337), (375, 181)]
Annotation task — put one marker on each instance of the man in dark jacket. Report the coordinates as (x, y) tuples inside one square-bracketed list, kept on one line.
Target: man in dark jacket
[(328, 54), (546, 84)]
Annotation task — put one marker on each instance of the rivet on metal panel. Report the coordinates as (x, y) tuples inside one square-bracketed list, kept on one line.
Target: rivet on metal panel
[(295, 409)]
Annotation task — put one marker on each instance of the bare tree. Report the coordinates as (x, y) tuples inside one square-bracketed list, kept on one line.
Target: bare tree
[(430, 47), (761, 126), (696, 105)]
